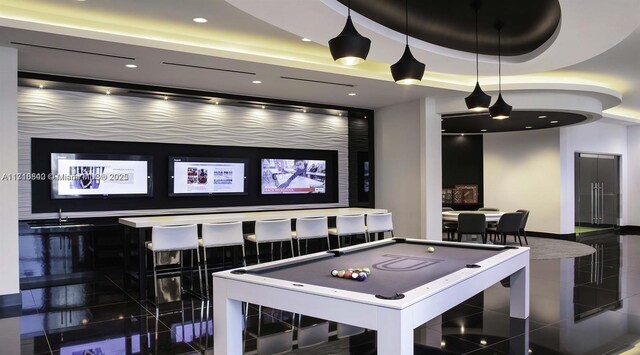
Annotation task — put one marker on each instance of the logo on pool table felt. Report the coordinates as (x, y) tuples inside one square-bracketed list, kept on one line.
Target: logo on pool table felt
[(404, 263)]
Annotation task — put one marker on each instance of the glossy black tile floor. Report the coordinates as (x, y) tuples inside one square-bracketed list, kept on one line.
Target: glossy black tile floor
[(587, 305)]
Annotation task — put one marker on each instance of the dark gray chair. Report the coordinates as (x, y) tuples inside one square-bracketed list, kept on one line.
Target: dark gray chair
[(525, 218), (509, 224), (489, 209), (472, 224), (449, 227)]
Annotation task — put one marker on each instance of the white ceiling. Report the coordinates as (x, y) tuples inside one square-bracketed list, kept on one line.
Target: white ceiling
[(590, 51)]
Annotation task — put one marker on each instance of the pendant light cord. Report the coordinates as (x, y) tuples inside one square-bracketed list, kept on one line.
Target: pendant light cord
[(406, 21), (477, 50), (499, 61)]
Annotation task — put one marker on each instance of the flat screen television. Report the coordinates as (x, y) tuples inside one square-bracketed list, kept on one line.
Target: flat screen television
[(88, 175), (293, 176), (197, 176)]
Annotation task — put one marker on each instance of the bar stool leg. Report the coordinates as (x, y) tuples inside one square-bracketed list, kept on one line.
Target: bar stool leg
[(258, 251), (155, 279), (291, 242), (298, 241), (199, 270), (244, 257), (206, 272)]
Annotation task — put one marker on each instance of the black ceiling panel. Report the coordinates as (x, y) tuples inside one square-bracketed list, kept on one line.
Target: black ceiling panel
[(451, 23), (470, 123)]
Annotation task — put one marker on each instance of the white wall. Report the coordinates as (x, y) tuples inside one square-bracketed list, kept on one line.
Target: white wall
[(632, 195), (522, 171), (78, 115), (9, 279), (596, 137), (397, 161)]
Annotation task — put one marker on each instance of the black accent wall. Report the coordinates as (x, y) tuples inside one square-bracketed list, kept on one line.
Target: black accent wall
[(41, 150), (462, 164)]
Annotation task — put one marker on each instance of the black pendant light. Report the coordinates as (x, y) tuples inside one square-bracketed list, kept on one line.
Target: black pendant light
[(408, 70), (477, 100), (500, 109), (349, 47)]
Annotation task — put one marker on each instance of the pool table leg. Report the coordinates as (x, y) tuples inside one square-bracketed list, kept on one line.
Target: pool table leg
[(395, 334), (519, 293), (227, 320)]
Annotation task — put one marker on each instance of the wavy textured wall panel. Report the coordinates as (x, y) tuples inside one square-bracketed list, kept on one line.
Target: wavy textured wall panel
[(79, 115)]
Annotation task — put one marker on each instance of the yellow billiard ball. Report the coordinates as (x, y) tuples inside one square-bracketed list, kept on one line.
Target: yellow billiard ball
[(430, 249)]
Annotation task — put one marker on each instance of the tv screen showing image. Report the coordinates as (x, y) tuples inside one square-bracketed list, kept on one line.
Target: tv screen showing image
[(206, 176), (78, 175), (293, 176)]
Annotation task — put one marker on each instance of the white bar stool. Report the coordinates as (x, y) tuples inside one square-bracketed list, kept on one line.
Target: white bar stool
[(311, 228), (270, 231), (379, 223), (173, 238), (349, 225), (216, 235)]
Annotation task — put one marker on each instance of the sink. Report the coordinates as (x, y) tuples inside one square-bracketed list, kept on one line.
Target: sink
[(53, 226)]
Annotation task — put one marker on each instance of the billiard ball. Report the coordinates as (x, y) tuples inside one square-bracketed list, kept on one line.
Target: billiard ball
[(362, 276), (366, 270), (347, 274), (430, 249), (334, 272), (341, 273), (355, 275)]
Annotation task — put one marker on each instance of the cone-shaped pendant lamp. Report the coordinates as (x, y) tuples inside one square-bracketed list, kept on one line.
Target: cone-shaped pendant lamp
[(349, 47), (408, 70), (500, 109), (477, 100)]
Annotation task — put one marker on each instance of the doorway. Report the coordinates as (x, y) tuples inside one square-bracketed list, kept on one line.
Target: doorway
[(597, 195)]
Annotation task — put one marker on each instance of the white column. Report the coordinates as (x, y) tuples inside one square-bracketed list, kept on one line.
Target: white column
[(430, 170), (9, 277)]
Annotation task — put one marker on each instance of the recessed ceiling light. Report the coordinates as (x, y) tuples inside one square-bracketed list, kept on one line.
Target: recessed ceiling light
[(483, 130), (257, 82), (553, 121), (166, 97), (352, 94), (108, 92), (41, 86), (543, 116), (483, 342), (443, 130), (461, 134), (365, 116), (305, 39), (200, 20), (340, 114), (443, 343), (305, 111), (131, 66), (528, 127), (263, 107)]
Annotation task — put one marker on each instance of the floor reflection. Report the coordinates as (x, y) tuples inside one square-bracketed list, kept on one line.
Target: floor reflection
[(587, 305)]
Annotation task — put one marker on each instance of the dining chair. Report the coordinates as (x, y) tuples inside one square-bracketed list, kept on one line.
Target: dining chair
[(449, 227), (472, 224), (509, 224), (215, 235), (525, 218), (271, 231), (349, 225), (379, 223), (311, 228), (173, 238)]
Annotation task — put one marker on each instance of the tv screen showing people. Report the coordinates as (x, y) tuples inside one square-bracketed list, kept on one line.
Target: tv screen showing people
[(79, 175), (195, 176), (293, 176)]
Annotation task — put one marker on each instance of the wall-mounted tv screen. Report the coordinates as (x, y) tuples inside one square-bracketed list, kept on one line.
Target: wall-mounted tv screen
[(293, 176), (80, 175), (192, 176)]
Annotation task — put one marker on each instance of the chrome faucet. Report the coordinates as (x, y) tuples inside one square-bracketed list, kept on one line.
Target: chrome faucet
[(60, 218)]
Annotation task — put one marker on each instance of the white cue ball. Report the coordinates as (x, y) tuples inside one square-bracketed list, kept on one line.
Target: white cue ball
[(430, 249)]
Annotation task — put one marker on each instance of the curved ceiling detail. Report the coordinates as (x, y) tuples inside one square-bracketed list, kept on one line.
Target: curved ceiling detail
[(321, 20), (482, 123), (451, 24)]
